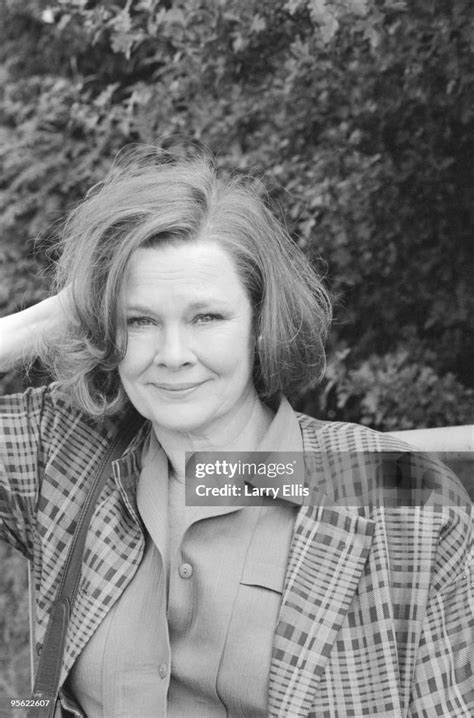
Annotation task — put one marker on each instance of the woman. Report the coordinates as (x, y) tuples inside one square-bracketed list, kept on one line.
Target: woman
[(184, 298)]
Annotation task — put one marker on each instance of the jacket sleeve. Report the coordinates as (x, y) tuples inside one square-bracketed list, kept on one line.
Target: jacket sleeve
[(443, 681), (21, 451)]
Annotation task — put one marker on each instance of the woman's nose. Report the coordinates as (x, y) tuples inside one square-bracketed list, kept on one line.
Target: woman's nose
[(173, 349)]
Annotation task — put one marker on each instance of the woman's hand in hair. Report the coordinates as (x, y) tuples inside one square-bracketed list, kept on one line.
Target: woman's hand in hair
[(22, 333)]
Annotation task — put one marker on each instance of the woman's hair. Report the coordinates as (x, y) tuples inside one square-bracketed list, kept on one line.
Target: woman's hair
[(154, 197)]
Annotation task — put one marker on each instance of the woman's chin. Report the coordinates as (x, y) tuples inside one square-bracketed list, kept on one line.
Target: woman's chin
[(181, 421)]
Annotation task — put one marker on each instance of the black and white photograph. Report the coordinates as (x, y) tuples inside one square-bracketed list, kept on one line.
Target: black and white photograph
[(236, 358)]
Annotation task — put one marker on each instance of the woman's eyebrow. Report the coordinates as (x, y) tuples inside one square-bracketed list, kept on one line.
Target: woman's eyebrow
[(210, 302), (134, 307)]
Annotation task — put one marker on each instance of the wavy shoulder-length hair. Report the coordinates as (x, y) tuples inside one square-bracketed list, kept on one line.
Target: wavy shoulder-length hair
[(153, 197)]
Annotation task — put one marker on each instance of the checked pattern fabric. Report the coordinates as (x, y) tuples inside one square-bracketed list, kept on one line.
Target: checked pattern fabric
[(376, 616)]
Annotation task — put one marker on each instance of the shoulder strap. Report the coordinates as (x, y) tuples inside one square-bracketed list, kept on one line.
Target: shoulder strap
[(46, 685)]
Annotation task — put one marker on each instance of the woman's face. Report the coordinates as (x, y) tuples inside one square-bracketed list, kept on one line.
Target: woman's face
[(188, 366)]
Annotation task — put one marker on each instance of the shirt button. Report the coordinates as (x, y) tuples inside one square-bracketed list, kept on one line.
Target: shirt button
[(185, 570), (163, 670)]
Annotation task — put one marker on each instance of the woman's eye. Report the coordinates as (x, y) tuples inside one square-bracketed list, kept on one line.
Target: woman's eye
[(207, 318), (138, 321)]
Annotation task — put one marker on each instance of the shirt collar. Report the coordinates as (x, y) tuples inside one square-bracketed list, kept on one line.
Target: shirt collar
[(283, 435)]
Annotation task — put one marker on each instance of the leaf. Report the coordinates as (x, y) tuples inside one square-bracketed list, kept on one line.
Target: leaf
[(325, 17), (239, 42), (292, 6), (358, 7), (258, 24), (47, 16)]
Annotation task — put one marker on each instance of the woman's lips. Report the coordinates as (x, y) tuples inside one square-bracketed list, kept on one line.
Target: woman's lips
[(179, 387)]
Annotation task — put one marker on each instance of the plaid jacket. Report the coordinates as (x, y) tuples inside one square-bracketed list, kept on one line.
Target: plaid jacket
[(376, 615)]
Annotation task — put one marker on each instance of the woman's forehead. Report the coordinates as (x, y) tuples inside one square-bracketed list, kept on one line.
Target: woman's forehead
[(197, 271)]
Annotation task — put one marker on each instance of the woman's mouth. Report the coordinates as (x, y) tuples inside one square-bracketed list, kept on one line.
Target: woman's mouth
[(179, 388)]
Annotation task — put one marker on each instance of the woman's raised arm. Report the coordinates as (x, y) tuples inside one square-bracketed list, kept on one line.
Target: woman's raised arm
[(22, 333)]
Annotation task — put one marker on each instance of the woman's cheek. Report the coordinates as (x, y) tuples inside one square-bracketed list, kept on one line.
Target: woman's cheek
[(225, 344), (140, 353)]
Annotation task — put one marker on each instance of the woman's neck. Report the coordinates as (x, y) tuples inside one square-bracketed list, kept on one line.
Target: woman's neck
[(243, 432)]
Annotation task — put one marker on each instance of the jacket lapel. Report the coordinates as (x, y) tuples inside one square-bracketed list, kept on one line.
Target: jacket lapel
[(329, 550)]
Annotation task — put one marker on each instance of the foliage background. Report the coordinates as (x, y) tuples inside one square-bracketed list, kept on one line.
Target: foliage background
[(359, 112)]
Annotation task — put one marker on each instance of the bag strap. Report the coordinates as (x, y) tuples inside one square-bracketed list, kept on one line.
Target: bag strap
[(46, 686)]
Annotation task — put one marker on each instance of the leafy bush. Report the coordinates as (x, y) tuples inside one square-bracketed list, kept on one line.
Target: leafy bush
[(394, 392)]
